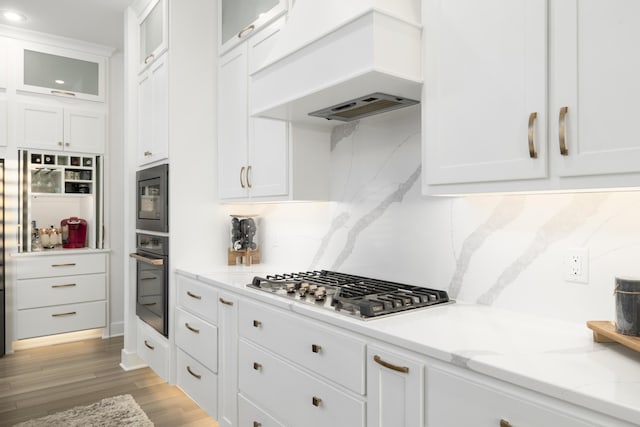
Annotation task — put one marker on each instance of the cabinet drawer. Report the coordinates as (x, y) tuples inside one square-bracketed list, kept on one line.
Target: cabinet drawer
[(250, 415), (337, 356), (198, 338), (153, 348), (485, 405), (198, 298), (198, 382), (63, 265), (31, 293), (37, 322), (293, 396)]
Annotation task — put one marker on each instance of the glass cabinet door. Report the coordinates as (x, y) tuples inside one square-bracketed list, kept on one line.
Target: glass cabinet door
[(153, 32), (239, 19)]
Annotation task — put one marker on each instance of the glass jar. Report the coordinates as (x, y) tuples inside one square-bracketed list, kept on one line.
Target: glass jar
[(244, 232)]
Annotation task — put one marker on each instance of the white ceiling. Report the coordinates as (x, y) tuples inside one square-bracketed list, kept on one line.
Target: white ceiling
[(95, 21)]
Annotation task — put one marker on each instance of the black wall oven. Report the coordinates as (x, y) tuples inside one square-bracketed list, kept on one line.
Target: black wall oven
[(152, 283), (152, 200)]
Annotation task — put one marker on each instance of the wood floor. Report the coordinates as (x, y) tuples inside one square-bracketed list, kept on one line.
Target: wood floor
[(46, 380)]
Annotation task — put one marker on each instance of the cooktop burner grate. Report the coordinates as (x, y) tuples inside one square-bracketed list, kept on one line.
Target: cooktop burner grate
[(358, 296)]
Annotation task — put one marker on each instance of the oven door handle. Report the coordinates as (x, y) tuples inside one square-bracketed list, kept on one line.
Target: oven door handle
[(152, 261)]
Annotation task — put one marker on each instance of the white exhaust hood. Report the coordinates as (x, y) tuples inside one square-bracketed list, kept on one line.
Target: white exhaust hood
[(331, 52)]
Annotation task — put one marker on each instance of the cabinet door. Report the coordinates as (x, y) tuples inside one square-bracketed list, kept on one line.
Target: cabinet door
[(3, 122), (228, 360), (595, 71), (395, 389), (153, 29), (153, 113), (39, 126), (232, 124), (240, 19), (3, 64), (84, 131), (268, 166), (485, 90)]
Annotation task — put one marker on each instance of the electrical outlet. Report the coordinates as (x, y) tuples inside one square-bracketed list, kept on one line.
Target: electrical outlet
[(577, 265)]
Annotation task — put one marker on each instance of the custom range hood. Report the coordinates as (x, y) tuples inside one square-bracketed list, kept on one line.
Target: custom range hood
[(341, 60)]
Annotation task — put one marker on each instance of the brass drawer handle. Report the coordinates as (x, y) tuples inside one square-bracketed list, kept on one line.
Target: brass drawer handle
[(62, 92), (316, 348), (257, 366), (191, 328), (241, 175), (532, 148), (149, 346), (316, 401), (257, 424), (198, 376), (148, 154), (67, 285), (69, 264), (225, 302), (151, 56), (505, 423), (257, 324), (403, 369), (249, 176), (562, 131), (194, 296), (246, 29), (69, 313)]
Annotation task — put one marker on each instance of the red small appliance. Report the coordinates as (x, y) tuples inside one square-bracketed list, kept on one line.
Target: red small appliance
[(74, 232)]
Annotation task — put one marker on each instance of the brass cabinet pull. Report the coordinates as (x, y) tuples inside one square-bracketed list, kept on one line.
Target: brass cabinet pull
[(148, 278), (62, 92), (194, 296), (562, 131), (505, 423), (66, 285), (532, 148), (147, 260), (316, 348), (316, 401), (149, 346), (257, 366), (191, 328), (149, 304), (241, 174), (148, 154), (249, 176), (193, 374), (69, 313), (225, 302), (70, 264), (60, 143), (257, 323), (151, 56), (391, 366), (246, 29), (257, 424)]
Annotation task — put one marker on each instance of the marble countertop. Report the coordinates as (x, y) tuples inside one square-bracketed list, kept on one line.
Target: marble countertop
[(550, 356)]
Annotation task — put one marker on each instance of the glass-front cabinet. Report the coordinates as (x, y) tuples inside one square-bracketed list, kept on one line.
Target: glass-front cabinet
[(153, 32), (61, 72), (239, 19)]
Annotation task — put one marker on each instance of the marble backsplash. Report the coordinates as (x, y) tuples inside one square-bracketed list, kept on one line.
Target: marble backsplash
[(503, 250)]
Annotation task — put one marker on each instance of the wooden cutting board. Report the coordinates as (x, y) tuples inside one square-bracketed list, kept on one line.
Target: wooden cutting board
[(605, 331)]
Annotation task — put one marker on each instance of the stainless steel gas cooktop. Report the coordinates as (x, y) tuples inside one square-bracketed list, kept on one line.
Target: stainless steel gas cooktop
[(357, 296)]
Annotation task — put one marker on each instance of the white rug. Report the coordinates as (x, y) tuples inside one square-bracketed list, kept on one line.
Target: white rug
[(110, 412)]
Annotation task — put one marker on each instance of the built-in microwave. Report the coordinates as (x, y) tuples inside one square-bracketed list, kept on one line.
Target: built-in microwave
[(152, 200)]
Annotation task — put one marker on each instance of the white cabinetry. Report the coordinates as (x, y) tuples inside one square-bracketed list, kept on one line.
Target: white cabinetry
[(154, 349), (3, 121), (228, 360), (395, 388), (258, 158), (3, 63), (197, 340), (51, 127), (153, 25), (485, 122), (60, 293), (239, 20), (153, 112), (62, 72)]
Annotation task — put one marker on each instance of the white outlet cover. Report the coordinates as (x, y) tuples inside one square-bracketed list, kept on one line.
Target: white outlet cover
[(577, 265)]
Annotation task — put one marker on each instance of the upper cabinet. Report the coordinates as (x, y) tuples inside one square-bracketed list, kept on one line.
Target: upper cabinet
[(153, 112), (237, 20), (62, 72), (3, 122), (53, 128), (3, 64), (486, 127), (153, 32)]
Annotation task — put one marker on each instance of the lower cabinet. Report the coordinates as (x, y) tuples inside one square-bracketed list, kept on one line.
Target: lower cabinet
[(250, 415), (154, 349), (395, 388), (197, 381)]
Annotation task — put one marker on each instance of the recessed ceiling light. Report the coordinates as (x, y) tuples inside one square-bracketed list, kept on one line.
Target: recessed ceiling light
[(12, 16)]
